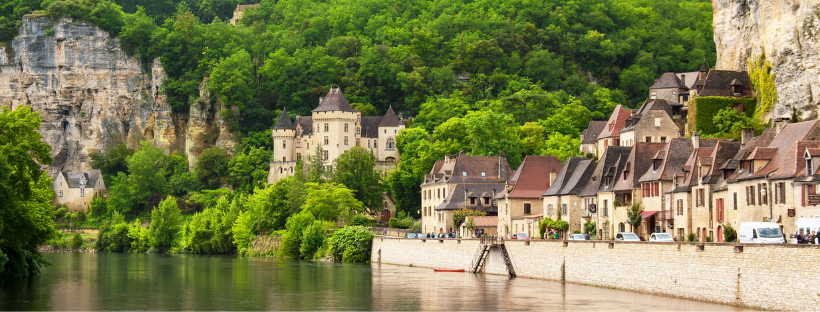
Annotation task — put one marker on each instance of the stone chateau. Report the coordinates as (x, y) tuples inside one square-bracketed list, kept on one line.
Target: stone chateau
[(336, 127)]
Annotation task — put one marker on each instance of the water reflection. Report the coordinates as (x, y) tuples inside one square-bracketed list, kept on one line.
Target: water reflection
[(187, 282)]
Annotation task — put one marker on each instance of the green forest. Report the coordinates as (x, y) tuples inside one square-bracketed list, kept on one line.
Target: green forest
[(522, 77)]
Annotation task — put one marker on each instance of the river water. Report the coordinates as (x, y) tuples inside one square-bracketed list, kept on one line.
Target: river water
[(103, 281)]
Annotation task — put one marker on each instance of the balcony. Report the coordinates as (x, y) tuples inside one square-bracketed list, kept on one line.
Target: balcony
[(665, 215)]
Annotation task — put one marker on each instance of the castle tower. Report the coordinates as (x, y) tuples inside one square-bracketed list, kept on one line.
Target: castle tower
[(389, 128), (334, 125), (284, 161)]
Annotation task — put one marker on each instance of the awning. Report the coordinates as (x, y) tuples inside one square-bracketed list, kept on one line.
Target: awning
[(647, 214)]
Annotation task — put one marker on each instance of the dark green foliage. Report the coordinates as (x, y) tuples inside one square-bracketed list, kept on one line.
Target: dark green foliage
[(356, 169), (211, 231), (165, 223), (361, 220), (147, 175), (211, 167), (76, 241), (113, 234), (292, 240), (729, 234), (730, 123), (691, 237), (313, 238), (633, 215), (112, 162), (590, 228), (703, 109), (351, 244), (249, 169)]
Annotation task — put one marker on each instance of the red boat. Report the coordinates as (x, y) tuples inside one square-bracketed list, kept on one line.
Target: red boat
[(445, 270)]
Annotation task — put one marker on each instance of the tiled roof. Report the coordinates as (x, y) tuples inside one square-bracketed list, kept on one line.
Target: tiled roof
[(671, 159), (533, 176), (390, 119), (468, 169), (766, 153), (306, 123), (762, 140), (334, 101), (719, 83), (667, 81), (592, 131), (795, 164), (73, 178), (788, 136), (370, 126), (485, 221), (612, 157), (690, 79), (572, 178), (617, 120), (656, 104), (639, 160), (458, 198), (284, 122)]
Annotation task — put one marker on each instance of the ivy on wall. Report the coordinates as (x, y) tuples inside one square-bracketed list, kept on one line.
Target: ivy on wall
[(703, 109), (760, 71)]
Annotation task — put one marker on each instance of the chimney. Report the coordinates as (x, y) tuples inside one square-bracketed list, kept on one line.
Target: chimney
[(462, 153), (502, 169), (320, 99), (466, 200), (683, 79), (695, 140), (552, 176), (780, 123), (746, 135)]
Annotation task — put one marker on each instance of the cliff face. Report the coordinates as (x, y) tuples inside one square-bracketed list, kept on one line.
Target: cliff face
[(91, 95), (787, 32)]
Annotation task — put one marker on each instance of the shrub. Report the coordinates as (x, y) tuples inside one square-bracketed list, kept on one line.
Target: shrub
[(708, 239), (138, 236), (361, 220), (60, 213), (76, 241), (292, 240), (576, 232), (393, 223), (691, 237), (703, 109), (165, 221), (351, 244), (590, 228), (729, 234), (313, 238)]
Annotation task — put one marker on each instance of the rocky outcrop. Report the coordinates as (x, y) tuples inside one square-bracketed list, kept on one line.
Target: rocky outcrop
[(91, 95), (787, 32)]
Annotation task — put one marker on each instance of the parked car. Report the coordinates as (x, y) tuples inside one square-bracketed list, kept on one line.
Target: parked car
[(661, 237), (520, 236), (409, 235), (421, 235), (627, 237), (577, 237), (760, 233)]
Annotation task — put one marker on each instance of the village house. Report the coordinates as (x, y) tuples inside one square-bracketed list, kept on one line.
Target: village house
[(487, 224), (627, 189), (655, 121), (562, 200), (610, 136), (666, 163), (801, 203), (589, 137), (523, 207), (76, 189), (459, 182), (670, 88), (336, 127), (597, 195)]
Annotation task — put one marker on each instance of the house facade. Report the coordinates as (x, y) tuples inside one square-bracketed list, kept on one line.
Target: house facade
[(76, 189), (522, 207)]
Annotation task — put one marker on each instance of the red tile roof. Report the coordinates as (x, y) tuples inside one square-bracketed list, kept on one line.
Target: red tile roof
[(533, 176), (617, 120)]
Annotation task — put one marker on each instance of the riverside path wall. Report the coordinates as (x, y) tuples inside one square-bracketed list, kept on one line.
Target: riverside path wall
[(774, 277)]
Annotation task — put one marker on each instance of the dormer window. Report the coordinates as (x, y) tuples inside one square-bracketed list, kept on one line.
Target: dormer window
[(486, 200), (610, 126), (483, 174), (809, 166), (472, 200), (464, 173), (626, 171)]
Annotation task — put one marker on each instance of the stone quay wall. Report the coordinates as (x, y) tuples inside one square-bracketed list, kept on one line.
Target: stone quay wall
[(772, 277)]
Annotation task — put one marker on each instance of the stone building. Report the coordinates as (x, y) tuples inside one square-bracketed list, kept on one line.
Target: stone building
[(598, 189), (655, 121), (670, 88), (562, 200), (627, 189), (336, 127), (610, 135), (522, 207), (458, 182), (666, 164), (76, 189), (589, 137)]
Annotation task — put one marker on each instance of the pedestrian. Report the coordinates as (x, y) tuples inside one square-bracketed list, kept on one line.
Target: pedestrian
[(555, 234), (811, 237), (800, 237), (586, 236)]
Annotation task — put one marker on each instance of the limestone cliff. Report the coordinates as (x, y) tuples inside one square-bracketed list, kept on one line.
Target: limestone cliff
[(787, 32), (91, 95)]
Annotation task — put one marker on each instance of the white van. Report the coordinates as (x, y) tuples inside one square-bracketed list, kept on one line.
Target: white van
[(807, 225), (760, 233)]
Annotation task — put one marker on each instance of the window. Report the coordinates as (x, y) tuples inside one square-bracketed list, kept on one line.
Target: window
[(284, 143), (719, 208), (284, 159), (298, 155), (734, 203), (472, 200), (809, 167), (648, 139), (626, 171), (782, 192), (345, 127), (326, 155), (385, 130), (606, 209), (699, 197), (298, 143), (375, 144), (357, 142), (653, 95), (82, 192), (486, 200), (738, 107), (327, 127), (763, 195), (564, 209), (391, 144), (61, 191), (527, 209), (663, 139), (346, 140), (610, 126), (483, 174), (657, 122), (464, 173), (327, 140), (680, 207)]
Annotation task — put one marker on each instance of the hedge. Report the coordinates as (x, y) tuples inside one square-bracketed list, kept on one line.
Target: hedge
[(702, 109)]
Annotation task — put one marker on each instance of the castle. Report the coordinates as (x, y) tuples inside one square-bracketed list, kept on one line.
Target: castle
[(337, 127)]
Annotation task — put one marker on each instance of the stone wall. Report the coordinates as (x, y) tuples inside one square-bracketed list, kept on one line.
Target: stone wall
[(776, 277)]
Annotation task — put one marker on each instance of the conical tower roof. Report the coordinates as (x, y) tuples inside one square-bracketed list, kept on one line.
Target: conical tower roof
[(284, 122), (390, 119), (704, 67), (334, 101)]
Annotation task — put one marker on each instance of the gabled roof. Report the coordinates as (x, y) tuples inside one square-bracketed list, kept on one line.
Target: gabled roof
[(617, 121), (668, 81), (671, 160), (639, 160), (580, 176), (648, 105), (284, 122), (795, 163), (746, 148), (390, 119), (74, 179), (788, 136), (334, 101), (370, 126), (458, 197), (592, 131), (306, 123), (612, 157), (719, 83), (563, 176), (468, 169), (533, 176), (766, 153), (704, 67), (689, 79)]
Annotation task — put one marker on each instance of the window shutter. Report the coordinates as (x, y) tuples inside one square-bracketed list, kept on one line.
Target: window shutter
[(803, 195)]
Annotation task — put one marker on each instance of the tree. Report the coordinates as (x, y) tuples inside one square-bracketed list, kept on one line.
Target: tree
[(26, 218), (532, 138), (249, 169), (356, 169), (165, 224), (729, 234), (569, 119), (113, 161), (460, 215), (146, 176), (211, 167), (292, 239), (331, 202), (730, 123), (633, 215), (561, 146), (233, 79), (316, 171), (490, 133)]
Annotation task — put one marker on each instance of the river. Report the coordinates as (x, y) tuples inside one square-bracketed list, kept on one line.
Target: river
[(103, 281)]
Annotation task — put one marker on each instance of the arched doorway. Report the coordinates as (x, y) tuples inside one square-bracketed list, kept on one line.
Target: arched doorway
[(697, 234), (704, 234), (720, 234)]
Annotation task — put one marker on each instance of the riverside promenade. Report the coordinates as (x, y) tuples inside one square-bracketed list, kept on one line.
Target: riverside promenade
[(772, 277)]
